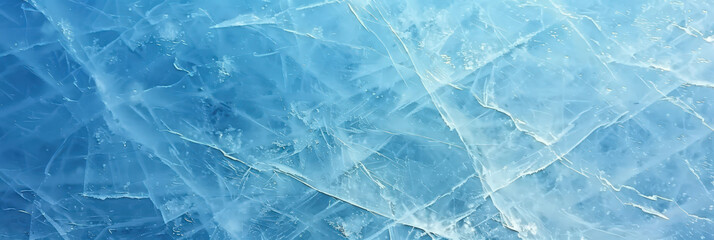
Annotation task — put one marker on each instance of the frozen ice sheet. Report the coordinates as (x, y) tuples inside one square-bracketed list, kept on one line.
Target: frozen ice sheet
[(356, 119)]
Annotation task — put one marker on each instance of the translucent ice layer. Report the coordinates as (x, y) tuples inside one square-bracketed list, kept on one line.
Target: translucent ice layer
[(356, 119)]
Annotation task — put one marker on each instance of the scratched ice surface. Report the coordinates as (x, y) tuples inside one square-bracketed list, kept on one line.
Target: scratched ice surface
[(356, 119)]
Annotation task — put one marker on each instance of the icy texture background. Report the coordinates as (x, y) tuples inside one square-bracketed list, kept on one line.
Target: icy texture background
[(356, 119)]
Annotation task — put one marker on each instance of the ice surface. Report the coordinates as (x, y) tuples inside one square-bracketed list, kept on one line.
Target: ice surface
[(356, 119)]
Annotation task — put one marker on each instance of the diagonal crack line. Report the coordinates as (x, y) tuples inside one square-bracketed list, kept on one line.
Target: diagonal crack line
[(301, 179), (304, 182), (212, 146)]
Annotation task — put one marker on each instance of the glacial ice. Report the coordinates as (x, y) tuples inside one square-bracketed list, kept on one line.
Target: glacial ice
[(356, 119)]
